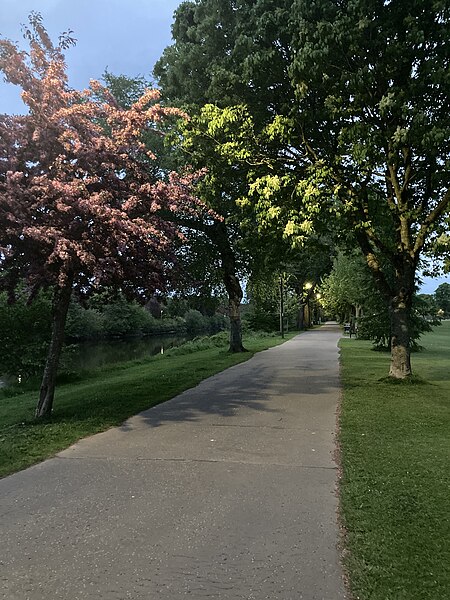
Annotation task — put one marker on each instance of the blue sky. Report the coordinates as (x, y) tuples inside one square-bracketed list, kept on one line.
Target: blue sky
[(125, 36)]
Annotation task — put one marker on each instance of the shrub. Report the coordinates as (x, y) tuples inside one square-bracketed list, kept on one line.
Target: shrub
[(376, 326), (196, 322), (84, 323), (25, 334)]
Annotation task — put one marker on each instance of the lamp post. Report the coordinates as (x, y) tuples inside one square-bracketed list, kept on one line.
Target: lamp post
[(319, 309), (307, 309)]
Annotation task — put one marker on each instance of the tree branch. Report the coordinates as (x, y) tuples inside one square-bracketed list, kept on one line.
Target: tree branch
[(433, 216)]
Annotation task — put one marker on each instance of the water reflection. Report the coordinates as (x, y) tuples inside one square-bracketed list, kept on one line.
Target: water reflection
[(92, 355), (87, 356)]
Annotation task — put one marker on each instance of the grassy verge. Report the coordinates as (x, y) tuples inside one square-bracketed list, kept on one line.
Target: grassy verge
[(395, 490), (106, 398)]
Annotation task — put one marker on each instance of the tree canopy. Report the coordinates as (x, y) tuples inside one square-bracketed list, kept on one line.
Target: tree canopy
[(347, 102)]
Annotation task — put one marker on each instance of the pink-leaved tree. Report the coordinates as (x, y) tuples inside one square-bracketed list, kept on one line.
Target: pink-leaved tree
[(79, 204)]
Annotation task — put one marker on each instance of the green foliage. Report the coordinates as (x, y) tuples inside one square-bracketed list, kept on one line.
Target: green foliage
[(350, 288), (430, 307), (124, 318), (106, 317), (442, 298), (84, 323), (264, 302), (349, 285), (24, 333), (374, 325), (259, 319), (195, 321)]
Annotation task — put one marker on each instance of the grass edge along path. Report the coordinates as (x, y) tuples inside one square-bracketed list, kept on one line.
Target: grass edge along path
[(394, 443), (106, 398)]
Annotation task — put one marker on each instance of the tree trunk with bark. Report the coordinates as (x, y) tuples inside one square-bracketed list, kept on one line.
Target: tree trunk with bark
[(398, 291), (400, 311), (301, 317), (60, 306), (306, 315), (232, 285), (301, 305), (235, 297)]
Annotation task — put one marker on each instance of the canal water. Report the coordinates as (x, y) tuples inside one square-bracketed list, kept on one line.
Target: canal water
[(91, 355), (87, 356)]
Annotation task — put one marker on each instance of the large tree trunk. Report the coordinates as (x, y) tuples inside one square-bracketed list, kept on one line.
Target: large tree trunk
[(61, 301), (400, 310), (232, 285), (235, 298), (301, 306), (301, 317), (398, 294), (307, 315), (235, 294)]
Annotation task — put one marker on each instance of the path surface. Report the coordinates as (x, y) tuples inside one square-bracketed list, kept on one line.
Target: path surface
[(228, 491)]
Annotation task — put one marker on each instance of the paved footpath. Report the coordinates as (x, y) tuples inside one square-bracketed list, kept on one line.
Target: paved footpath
[(228, 491)]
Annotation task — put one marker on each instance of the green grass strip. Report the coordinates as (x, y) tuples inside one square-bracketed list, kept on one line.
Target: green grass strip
[(106, 398), (395, 490)]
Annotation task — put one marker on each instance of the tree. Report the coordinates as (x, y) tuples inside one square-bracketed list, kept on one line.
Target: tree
[(218, 189), (372, 121), (212, 63), (359, 129), (209, 246), (442, 297), (348, 289), (79, 203)]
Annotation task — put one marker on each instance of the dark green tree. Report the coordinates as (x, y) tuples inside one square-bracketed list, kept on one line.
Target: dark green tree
[(25, 333), (213, 62), (348, 102), (442, 298)]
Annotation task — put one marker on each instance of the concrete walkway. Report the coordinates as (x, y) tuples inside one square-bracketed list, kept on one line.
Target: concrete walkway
[(228, 491)]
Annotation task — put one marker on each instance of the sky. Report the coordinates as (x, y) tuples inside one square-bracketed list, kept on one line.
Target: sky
[(124, 36)]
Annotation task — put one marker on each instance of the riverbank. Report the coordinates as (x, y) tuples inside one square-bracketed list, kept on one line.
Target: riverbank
[(395, 441), (105, 398)]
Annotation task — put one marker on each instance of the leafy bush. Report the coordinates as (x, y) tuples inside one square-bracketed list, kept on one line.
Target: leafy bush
[(376, 326), (442, 298), (258, 319), (196, 322), (123, 318), (25, 334), (153, 326), (218, 323), (84, 323)]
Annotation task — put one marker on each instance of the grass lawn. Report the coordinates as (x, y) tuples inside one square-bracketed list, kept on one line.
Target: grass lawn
[(106, 398), (395, 489)]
